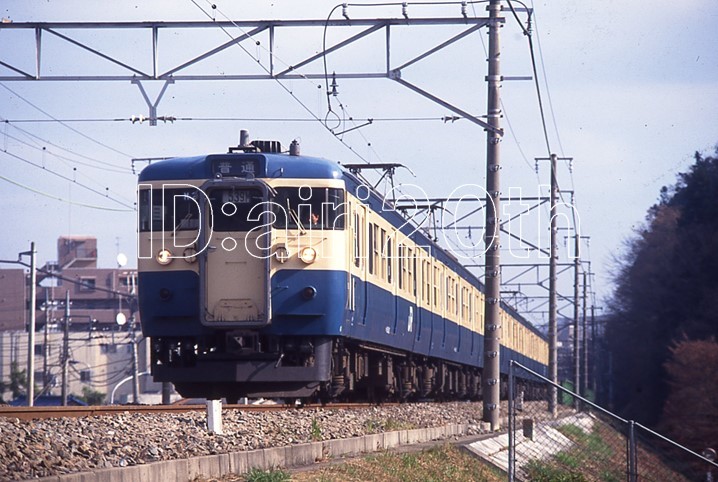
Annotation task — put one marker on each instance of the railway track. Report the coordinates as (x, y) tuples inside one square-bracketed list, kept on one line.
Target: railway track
[(30, 413)]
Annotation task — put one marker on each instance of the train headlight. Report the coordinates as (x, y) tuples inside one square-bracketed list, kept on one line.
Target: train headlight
[(282, 254), (308, 255), (164, 257)]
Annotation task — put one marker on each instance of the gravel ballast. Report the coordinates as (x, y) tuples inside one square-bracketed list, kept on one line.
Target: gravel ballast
[(41, 448)]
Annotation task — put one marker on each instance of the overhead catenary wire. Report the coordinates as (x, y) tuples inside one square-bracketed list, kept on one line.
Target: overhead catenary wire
[(82, 134), (66, 178), (277, 80), (443, 119), (69, 163), (47, 151), (57, 198)]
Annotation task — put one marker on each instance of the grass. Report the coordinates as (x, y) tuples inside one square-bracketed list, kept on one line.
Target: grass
[(593, 457), (316, 432), (388, 425), (276, 475), (441, 463)]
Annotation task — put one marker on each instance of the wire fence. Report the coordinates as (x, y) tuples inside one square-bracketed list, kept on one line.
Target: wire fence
[(580, 441)]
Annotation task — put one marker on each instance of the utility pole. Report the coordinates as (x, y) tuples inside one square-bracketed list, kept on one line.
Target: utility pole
[(552, 302), (31, 330), (552, 290), (492, 328), (584, 389), (45, 376), (66, 348), (576, 349)]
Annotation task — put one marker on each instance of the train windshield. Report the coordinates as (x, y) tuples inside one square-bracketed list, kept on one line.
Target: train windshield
[(169, 209), (308, 207), (232, 208)]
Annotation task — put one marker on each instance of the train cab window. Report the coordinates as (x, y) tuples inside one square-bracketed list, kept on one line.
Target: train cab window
[(233, 208), (169, 209), (308, 207)]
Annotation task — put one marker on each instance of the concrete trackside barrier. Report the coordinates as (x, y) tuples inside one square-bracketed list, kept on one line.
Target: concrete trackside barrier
[(263, 459)]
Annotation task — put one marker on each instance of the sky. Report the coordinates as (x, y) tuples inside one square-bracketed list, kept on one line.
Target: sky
[(630, 92)]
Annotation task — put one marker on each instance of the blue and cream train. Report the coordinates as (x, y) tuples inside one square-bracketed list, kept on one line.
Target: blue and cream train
[(280, 275)]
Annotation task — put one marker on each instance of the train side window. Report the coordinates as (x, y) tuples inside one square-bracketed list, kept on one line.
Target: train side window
[(387, 255), (438, 282), (371, 248), (411, 262), (426, 275), (482, 302), (401, 269), (358, 238)]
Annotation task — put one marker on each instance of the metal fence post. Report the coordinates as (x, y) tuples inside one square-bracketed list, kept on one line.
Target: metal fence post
[(632, 458), (512, 423)]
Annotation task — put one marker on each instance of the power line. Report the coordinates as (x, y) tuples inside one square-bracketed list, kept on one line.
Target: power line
[(277, 80), (74, 181), (57, 198), (45, 150), (443, 119), (47, 142), (64, 124)]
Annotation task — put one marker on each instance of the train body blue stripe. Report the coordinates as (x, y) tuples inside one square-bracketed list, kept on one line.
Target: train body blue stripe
[(379, 318)]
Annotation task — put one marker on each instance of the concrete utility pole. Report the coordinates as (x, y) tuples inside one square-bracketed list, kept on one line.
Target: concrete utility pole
[(46, 333), (492, 328), (31, 330), (576, 303), (552, 302), (66, 348), (584, 381)]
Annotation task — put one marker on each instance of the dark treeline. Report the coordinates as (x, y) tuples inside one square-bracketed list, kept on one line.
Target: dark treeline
[(664, 319)]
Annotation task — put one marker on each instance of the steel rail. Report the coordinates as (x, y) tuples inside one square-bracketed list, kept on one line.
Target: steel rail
[(31, 413)]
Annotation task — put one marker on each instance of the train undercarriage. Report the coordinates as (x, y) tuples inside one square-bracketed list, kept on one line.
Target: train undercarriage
[(311, 369)]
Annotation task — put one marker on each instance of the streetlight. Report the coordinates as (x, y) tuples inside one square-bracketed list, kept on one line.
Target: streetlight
[(124, 380)]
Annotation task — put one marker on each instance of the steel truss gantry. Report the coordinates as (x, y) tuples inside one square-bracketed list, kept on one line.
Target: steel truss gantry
[(243, 31), (262, 32)]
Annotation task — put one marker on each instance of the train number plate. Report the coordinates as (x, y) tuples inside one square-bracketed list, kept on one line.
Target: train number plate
[(237, 197)]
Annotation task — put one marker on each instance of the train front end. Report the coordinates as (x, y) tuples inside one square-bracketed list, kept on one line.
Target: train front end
[(242, 262)]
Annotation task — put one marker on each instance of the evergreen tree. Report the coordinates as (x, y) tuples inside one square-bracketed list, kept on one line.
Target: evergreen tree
[(666, 290)]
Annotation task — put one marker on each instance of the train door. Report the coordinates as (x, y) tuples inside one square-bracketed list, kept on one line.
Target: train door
[(422, 332), (359, 269), (234, 268)]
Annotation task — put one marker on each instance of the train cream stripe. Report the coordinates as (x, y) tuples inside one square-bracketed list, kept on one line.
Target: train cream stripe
[(424, 279), (515, 335)]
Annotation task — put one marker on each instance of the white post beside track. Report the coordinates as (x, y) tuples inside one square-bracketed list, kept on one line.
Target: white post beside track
[(214, 416)]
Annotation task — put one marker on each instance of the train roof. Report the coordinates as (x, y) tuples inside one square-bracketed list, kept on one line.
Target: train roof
[(259, 165)]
